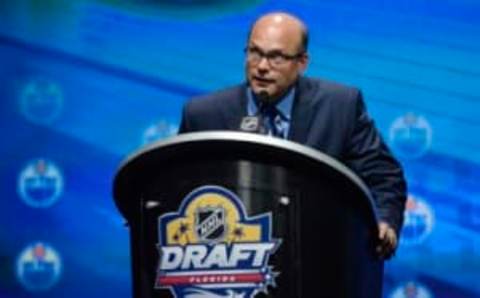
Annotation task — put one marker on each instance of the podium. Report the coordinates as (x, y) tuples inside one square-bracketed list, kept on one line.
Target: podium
[(232, 214)]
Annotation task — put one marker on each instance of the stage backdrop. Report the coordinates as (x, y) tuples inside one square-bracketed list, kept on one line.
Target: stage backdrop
[(84, 83)]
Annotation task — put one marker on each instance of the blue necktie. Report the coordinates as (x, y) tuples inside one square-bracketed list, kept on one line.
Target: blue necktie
[(273, 122)]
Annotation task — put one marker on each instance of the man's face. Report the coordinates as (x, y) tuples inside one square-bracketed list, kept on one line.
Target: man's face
[(268, 79)]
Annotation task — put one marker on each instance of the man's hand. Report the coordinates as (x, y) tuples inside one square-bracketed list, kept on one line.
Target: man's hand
[(387, 241)]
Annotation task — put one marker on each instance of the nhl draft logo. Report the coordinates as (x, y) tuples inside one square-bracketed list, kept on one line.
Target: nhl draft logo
[(211, 248)]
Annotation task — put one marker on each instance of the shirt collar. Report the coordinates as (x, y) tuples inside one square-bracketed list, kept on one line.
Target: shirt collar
[(284, 105)]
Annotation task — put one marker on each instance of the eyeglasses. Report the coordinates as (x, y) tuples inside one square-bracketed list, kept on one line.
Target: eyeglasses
[(275, 58)]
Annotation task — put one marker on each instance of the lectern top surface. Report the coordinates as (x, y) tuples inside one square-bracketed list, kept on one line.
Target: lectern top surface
[(240, 140), (245, 137)]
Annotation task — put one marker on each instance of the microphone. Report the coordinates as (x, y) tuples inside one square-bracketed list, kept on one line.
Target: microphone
[(255, 123), (251, 124)]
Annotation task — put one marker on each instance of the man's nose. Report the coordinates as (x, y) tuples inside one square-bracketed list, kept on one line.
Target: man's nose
[(263, 64)]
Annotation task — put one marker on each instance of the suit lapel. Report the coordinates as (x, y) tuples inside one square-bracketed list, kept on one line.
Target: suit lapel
[(303, 112), (236, 109)]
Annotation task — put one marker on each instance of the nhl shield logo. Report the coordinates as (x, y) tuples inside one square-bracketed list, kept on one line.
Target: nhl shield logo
[(210, 224)]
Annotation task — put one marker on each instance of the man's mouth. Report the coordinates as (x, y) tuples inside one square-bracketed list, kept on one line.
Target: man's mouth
[(263, 80)]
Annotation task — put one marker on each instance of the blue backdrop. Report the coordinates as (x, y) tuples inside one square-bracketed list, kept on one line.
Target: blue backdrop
[(83, 83)]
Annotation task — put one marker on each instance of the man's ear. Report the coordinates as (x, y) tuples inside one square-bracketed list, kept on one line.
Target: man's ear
[(303, 63)]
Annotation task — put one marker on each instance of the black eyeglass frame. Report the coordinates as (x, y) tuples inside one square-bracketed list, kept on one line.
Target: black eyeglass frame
[(271, 56)]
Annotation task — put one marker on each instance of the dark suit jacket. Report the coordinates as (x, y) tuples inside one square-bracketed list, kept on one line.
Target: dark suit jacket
[(326, 116)]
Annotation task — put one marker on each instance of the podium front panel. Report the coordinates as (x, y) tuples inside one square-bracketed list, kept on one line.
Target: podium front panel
[(240, 215), (312, 231)]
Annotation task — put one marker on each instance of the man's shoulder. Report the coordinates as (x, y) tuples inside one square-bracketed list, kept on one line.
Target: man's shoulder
[(319, 89), (217, 97), (214, 110), (326, 85)]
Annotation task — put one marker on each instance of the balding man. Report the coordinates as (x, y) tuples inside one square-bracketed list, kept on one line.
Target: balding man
[(324, 115)]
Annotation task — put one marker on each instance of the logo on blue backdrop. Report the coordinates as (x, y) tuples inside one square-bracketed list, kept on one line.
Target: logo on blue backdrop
[(40, 184), (158, 131), (41, 101), (411, 290), (411, 136), (38, 267), (211, 248), (419, 221)]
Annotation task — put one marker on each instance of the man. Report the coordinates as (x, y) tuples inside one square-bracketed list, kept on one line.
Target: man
[(320, 114)]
